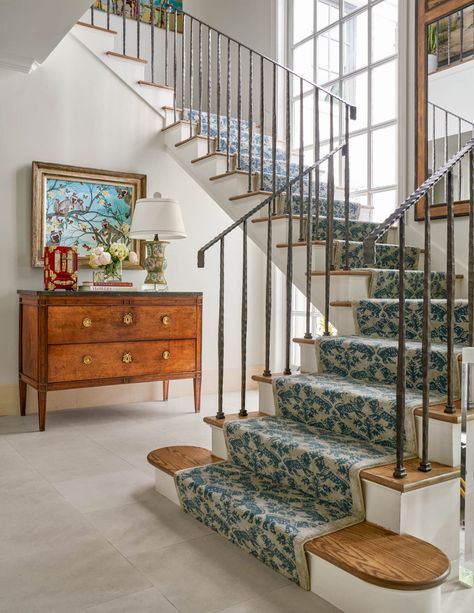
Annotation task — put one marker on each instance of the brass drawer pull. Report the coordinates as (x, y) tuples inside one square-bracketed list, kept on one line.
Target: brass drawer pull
[(128, 319), (127, 358), (87, 359), (87, 322), (166, 355), (166, 320)]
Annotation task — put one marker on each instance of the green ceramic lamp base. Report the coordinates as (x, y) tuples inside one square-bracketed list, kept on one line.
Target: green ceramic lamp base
[(155, 265)]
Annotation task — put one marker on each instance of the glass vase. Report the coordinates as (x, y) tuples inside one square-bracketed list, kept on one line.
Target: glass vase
[(112, 273)]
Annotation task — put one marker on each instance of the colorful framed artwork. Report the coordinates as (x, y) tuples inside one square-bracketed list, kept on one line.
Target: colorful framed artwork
[(143, 7), (83, 208)]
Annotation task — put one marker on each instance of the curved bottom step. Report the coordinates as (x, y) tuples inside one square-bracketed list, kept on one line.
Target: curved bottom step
[(378, 569)]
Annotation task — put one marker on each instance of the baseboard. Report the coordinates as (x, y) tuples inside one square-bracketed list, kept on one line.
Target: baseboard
[(122, 394)]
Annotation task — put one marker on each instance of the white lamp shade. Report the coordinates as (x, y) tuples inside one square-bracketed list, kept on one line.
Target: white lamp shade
[(157, 216)]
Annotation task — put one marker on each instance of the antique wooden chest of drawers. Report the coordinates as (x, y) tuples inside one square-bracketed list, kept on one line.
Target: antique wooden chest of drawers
[(72, 340)]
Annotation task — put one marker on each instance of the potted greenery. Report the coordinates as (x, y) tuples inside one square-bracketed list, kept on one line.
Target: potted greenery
[(432, 48)]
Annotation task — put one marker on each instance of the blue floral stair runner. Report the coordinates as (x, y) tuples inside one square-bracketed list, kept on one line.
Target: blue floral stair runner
[(295, 476)]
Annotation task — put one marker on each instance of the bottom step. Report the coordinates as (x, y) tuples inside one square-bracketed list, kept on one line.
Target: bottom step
[(379, 569)]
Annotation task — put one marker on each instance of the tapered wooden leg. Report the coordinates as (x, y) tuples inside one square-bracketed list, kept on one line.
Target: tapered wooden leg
[(166, 389), (22, 385), (42, 410), (197, 394)]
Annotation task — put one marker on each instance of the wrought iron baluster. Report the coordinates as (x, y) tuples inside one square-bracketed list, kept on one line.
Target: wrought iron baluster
[(108, 14), (219, 94), (200, 93), (461, 56), (346, 191), (250, 119), (446, 147), (243, 411), (268, 293), (328, 245), (209, 87), (289, 288), (289, 199), (228, 101), (152, 41), (460, 165), (450, 282), (92, 15), (167, 27), (183, 66), (262, 119), (138, 29), (434, 141), (274, 130), (425, 465), (175, 63), (317, 153), (449, 39), (301, 163), (400, 470), (309, 256), (191, 75), (220, 348), (124, 28), (471, 251), (239, 105)]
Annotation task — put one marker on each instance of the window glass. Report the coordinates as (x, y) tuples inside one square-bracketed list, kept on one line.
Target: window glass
[(355, 49), (355, 91), (353, 5), (328, 55), (303, 19), (384, 29), (384, 156), (327, 12), (384, 92)]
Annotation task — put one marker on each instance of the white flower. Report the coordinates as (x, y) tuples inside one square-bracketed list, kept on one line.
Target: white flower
[(118, 251), (133, 257)]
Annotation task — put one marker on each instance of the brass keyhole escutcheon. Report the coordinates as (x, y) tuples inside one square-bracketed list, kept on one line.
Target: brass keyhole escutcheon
[(166, 320), (87, 359), (87, 322), (166, 355), (127, 319), (127, 358)]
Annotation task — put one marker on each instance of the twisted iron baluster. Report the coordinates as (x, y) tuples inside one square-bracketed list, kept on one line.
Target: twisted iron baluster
[(346, 191), (400, 470), (243, 411), (209, 87), (309, 256), (200, 80), (167, 27), (450, 279), (228, 101), (175, 64), (108, 14), (301, 164), (138, 30), (239, 106), (152, 41), (250, 187), (191, 76), (471, 250), (124, 29), (268, 293), (289, 289), (262, 118), (220, 347), (219, 95), (317, 153)]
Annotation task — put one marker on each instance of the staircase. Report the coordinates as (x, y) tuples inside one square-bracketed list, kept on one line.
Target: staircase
[(306, 485)]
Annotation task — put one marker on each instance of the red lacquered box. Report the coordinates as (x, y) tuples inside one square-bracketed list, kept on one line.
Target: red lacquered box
[(60, 268)]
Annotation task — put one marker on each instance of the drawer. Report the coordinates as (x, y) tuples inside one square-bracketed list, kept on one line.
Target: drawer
[(91, 324), (80, 362)]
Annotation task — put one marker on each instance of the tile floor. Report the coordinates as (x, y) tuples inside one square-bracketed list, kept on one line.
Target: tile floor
[(82, 529)]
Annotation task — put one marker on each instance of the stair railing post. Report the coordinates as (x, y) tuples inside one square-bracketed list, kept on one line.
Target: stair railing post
[(347, 187), (268, 292), (243, 391), (220, 348), (309, 256), (317, 154), (250, 121), (425, 465), (471, 250), (289, 288), (209, 87), (450, 282), (301, 162), (228, 101), (219, 90), (400, 470)]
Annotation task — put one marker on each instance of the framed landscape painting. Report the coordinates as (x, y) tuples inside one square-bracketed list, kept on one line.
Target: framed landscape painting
[(83, 208)]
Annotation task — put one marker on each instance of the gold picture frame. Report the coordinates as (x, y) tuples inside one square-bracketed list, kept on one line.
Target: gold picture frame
[(81, 207)]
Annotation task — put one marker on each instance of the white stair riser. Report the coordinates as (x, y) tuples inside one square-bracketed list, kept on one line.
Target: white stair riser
[(210, 167), (231, 185), (96, 40), (352, 595), (189, 151), (157, 97), (429, 513), (129, 70)]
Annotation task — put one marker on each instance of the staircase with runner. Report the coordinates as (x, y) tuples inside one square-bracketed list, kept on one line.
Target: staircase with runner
[(349, 471)]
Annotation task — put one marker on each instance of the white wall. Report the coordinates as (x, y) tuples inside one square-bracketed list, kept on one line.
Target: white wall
[(75, 111)]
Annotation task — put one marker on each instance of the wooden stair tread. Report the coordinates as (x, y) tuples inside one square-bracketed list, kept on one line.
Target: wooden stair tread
[(126, 57), (160, 85), (437, 412), (382, 557), (94, 27), (304, 341), (262, 379), (415, 479), (250, 195), (179, 457), (278, 217), (220, 423)]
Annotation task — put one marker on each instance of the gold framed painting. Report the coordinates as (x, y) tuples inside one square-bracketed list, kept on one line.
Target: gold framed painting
[(83, 208)]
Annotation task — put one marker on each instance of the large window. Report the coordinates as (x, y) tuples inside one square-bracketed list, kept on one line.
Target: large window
[(350, 48)]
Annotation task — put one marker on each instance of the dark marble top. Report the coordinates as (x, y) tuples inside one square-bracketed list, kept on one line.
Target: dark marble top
[(88, 294)]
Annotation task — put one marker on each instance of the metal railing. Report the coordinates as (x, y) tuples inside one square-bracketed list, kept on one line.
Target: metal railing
[(448, 120), (423, 192), (451, 38), (308, 220), (246, 98)]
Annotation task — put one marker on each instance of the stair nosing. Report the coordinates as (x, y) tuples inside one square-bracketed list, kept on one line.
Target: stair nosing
[(94, 27), (126, 57)]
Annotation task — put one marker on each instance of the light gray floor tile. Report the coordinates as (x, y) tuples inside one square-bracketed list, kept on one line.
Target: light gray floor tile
[(146, 526), (106, 491), (207, 574), (148, 601), (71, 576)]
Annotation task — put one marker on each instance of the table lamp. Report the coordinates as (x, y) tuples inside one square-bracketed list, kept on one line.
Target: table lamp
[(157, 221)]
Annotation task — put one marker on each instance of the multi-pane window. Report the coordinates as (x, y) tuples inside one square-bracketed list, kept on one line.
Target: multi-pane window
[(350, 48)]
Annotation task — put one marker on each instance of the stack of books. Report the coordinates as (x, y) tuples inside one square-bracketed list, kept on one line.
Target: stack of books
[(106, 286)]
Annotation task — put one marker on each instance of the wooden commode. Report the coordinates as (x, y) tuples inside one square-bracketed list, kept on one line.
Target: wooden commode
[(73, 340)]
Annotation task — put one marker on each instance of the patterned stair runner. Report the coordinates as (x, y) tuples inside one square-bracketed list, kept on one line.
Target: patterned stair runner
[(295, 476)]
